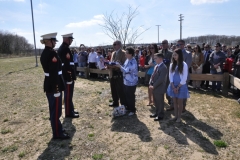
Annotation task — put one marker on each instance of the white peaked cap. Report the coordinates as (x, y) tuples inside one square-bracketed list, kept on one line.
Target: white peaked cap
[(68, 35), (49, 36)]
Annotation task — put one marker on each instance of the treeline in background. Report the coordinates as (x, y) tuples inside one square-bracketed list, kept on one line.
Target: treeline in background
[(230, 41), (13, 44)]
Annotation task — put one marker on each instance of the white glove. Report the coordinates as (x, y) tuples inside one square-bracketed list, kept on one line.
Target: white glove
[(69, 82), (57, 94)]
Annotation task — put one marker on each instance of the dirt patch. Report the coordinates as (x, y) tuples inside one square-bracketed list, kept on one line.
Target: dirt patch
[(26, 132)]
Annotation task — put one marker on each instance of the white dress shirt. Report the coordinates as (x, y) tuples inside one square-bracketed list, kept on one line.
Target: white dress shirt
[(92, 57)]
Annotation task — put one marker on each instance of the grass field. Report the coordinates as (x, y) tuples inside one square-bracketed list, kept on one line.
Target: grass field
[(209, 130)]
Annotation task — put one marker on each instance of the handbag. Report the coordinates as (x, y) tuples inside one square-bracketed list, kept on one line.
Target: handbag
[(119, 111)]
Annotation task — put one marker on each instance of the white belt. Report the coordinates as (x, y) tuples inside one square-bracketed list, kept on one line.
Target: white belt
[(62, 64), (71, 63), (47, 74)]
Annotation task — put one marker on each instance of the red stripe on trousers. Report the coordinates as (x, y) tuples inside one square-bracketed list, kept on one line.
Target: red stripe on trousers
[(68, 88), (56, 120)]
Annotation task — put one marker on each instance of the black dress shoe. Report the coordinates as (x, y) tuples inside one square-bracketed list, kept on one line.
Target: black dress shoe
[(153, 115), (158, 118), (64, 136), (75, 112), (113, 104), (73, 116), (170, 109)]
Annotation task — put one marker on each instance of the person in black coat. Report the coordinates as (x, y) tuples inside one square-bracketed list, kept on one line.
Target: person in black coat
[(53, 84), (206, 64), (69, 74)]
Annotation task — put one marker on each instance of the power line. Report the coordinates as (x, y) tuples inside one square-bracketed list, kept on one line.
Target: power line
[(181, 19)]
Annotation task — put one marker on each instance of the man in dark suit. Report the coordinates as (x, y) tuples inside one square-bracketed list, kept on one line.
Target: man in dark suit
[(116, 79), (158, 84), (206, 64), (69, 74)]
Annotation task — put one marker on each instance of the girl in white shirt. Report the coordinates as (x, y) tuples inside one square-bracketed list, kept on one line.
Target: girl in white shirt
[(177, 89)]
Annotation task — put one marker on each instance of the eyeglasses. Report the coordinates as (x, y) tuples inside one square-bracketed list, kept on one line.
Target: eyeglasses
[(179, 45), (151, 48), (224, 46)]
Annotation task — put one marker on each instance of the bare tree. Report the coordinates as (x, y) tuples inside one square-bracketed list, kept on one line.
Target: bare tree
[(119, 27)]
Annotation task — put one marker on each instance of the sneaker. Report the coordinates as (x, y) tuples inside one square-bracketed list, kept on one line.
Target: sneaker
[(131, 113)]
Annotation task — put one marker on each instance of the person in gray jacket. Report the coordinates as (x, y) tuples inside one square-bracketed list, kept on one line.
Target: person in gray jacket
[(217, 58)]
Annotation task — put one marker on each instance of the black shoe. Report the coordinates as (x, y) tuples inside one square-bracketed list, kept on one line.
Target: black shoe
[(113, 105), (64, 136), (169, 102), (158, 118), (75, 112), (73, 116), (153, 115), (170, 109)]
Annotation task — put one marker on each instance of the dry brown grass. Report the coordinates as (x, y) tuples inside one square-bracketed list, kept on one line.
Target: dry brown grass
[(26, 132)]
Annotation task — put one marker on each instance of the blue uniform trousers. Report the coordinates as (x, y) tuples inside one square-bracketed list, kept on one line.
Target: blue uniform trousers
[(68, 94), (55, 108)]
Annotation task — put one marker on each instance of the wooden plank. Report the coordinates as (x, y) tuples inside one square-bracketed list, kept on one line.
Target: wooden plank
[(206, 77), (98, 71), (225, 83), (82, 69), (141, 74), (235, 81)]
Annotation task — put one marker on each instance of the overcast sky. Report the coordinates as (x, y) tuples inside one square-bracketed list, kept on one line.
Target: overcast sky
[(82, 18)]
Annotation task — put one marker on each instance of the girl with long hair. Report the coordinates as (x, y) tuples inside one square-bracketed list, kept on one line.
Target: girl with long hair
[(177, 89)]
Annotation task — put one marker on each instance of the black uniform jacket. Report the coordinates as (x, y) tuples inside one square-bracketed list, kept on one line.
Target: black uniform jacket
[(52, 67), (69, 73)]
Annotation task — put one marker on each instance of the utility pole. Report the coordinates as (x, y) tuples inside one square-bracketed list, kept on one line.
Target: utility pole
[(181, 19), (158, 32), (34, 35)]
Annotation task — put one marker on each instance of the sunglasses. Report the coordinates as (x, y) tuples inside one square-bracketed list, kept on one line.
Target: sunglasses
[(114, 44)]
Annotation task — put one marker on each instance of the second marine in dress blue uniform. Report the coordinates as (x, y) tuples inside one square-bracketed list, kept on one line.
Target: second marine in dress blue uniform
[(69, 75)]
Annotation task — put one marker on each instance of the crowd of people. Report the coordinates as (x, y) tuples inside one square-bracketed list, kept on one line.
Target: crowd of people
[(166, 68)]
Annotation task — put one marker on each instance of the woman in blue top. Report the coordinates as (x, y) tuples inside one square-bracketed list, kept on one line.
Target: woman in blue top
[(130, 79), (151, 64), (177, 89)]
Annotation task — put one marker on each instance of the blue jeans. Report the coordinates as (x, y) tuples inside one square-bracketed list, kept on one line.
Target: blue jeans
[(82, 64), (214, 82)]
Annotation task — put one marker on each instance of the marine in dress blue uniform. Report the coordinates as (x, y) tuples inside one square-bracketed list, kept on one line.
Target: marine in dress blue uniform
[(69, 74), (53, 84)]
